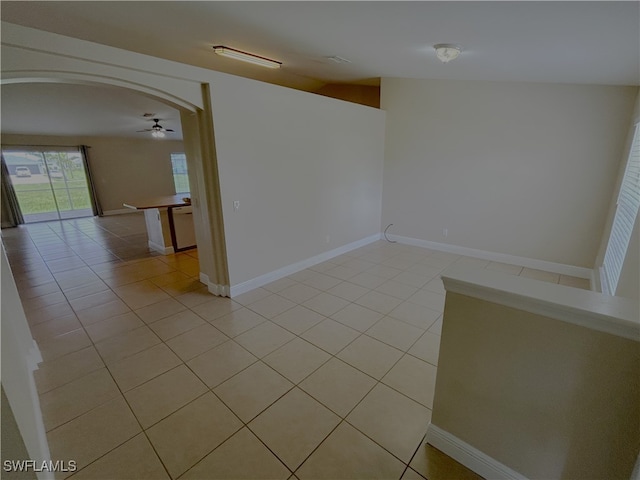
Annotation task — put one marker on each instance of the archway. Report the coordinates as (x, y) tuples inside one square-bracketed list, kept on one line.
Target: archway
[(199, 148)]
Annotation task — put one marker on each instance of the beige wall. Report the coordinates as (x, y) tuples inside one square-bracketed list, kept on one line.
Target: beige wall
[(512, 168), (546, 398), (305, 169), (125, 169)]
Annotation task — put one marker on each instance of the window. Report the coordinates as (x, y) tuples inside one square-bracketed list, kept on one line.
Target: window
[(49, 184), (624, 219), (180, 173)]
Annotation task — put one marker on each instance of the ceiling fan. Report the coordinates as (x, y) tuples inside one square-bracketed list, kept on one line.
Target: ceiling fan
[(157, 130)]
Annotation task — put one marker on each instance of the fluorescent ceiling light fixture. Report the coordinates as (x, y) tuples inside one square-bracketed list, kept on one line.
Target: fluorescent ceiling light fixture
[(246, 57), (447, 52)]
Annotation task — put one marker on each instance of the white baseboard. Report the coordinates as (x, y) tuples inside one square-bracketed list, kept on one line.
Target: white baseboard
[(469, 456), (218, 290), (296, 267), (161, 248), (121, 211), (560, 268), (34, 357)]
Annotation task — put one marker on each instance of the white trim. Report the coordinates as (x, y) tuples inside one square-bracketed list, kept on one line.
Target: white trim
[(615, 315), (34, 357), (21, 355), (560, 268), (218, 290), (601, 280), (161, 248), (469, 456), (121, 211), (301, 265)]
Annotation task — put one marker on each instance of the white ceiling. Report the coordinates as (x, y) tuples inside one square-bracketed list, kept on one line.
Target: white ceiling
[(547, 41)]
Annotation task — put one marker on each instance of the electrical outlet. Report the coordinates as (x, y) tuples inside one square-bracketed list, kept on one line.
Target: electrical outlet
[(236, 205), (445, 232)]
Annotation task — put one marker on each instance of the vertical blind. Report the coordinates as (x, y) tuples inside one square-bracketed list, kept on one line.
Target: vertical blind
[(625, 216)]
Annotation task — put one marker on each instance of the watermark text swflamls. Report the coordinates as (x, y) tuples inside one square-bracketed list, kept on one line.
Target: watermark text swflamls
[(36, 466)]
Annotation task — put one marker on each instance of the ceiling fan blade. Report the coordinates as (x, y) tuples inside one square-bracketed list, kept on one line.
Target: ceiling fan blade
[(156, 127)]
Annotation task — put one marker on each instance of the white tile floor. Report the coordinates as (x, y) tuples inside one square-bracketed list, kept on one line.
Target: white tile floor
[(328, 373)]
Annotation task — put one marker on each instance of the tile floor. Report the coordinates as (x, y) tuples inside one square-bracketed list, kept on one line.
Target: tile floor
[(328, 373)]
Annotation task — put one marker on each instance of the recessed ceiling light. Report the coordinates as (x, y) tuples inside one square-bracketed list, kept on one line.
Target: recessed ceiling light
[(447, 52), (246, 57)]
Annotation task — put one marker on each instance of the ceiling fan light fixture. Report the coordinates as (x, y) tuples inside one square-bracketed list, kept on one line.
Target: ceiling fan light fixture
[(447, 52), (157, 130), (246, 57)]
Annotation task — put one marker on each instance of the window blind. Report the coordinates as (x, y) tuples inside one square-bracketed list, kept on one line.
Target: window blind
[(625, 216)]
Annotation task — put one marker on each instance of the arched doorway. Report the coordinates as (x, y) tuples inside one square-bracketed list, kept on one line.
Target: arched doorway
[(200, 153)]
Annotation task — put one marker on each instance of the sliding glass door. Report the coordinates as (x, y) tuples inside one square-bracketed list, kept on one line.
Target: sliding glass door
[(49, 184)]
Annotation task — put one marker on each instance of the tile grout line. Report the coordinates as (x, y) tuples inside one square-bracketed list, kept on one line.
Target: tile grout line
[(382, 260)]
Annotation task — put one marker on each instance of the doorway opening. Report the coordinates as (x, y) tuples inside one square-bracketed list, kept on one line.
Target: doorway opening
[(198, 144), (50, 184)]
